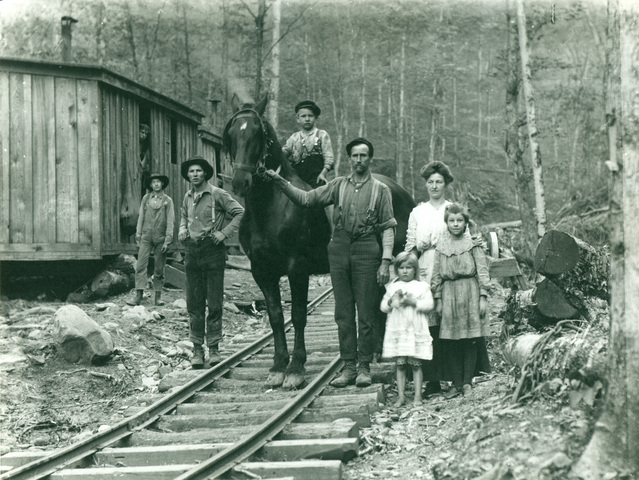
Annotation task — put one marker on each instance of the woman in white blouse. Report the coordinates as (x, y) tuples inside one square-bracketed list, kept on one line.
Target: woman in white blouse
[(426, 221), (425, 225)]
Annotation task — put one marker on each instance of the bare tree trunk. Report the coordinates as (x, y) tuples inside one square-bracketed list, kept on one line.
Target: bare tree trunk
[(612, 450), (455, 114), (479, 92), (433, 127), (573, 155), (380, 108), (307, 65), (100, 22), (187, 57), (411, 150), (362, 100), (225, 60), (402, 113), (540, 202), (260, 19), (274, 98), (131, 38), (389, 119), (515, 142)]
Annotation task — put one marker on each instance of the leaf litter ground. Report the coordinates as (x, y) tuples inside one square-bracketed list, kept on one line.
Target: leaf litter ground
[(48, 403)]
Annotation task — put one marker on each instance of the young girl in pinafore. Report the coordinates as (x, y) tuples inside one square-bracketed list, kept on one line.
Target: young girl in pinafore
[(407, 338), (460, 287)]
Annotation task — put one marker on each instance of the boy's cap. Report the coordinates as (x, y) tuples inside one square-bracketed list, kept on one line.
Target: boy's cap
[(163, 178), (311, 105), (360, 141), (196, 160)]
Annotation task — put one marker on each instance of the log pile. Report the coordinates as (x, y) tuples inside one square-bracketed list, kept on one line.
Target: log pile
[(574, 272), (558, 329)]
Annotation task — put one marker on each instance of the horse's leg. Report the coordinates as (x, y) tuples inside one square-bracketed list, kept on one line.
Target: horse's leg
[(269, 284), (298, 280)]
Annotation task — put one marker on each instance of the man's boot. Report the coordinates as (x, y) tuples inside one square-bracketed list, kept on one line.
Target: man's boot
[(197, 361), (363, 375), (138, 298), (348, 375), (214, 355), (158, 298)]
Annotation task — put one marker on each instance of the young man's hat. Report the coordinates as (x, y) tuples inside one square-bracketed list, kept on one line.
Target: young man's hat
[(311, 105), (163, 178), (360, 141), (196, 160)]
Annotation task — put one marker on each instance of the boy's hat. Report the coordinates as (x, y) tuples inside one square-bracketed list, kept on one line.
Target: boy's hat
[(311, 105), (196, 160), (163, 178), (360, 141)]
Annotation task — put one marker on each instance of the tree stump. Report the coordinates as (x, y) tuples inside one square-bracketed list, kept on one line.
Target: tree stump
[(577, 268)]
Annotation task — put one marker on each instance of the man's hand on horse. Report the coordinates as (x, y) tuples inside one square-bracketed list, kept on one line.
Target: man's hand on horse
[(218, 237), (273, 175)]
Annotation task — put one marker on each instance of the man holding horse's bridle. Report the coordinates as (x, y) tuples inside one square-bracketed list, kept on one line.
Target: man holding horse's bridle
[(359, 254)]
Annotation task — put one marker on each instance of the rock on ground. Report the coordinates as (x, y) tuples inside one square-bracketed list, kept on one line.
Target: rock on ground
[(80, 338)]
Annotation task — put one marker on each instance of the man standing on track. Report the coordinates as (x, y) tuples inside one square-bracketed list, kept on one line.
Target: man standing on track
[(359, 254), (203, 212)]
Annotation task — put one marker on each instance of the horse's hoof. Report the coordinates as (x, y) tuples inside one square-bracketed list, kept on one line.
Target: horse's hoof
[(275, 379), (293, 381)]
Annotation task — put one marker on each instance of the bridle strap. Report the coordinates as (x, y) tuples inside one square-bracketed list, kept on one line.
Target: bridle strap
[(260, 168)]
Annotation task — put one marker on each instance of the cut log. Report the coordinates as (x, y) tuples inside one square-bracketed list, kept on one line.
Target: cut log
[(516, 350), (108, 283), (552, 302), (576, 267)]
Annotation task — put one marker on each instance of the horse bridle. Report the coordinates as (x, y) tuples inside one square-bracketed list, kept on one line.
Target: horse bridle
[(260, 168)]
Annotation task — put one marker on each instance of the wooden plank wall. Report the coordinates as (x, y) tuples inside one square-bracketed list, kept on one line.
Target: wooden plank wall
[(49, 159), (120, 163)]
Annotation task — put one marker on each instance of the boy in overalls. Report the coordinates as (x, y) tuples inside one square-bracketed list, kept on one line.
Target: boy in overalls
[(154, 234), (309, 150)]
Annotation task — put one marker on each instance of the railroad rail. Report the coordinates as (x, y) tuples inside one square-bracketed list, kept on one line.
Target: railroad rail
[(252, 433)]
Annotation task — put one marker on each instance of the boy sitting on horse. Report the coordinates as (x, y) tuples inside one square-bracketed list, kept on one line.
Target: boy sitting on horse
[(309, 150)]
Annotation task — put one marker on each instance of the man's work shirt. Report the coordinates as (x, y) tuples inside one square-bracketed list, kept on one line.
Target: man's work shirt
[(157, 216), (204, 212), (352, 212), (303, 144)]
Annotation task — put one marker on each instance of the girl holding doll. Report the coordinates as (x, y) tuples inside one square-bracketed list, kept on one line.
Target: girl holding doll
[(459, 284), (407, 302)]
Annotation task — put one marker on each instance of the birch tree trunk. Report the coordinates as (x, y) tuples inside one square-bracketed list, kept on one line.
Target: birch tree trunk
[(455, 113), (411, 151), (514, 141), (274, 97), (612, 450), (535, 152)]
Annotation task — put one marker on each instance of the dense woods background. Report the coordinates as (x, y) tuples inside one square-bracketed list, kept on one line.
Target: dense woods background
[(423, 80)]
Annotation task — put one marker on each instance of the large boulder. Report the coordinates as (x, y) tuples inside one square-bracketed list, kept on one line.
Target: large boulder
[(80, 338)]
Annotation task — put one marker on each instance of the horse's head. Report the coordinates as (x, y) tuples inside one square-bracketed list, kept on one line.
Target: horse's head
[(249, 142)]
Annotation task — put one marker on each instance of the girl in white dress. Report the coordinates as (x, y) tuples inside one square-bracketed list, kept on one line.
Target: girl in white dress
[(407, 302)]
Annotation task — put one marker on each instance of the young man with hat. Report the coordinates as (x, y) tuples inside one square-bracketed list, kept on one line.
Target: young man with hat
[(203, 212), (359, 255), (154, 234), (309, 150)]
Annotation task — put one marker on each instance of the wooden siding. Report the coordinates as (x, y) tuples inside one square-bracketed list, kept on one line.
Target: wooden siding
[(49, 160), (119, 169)]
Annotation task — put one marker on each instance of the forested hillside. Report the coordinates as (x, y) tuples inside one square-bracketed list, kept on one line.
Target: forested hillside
[(424, 80)]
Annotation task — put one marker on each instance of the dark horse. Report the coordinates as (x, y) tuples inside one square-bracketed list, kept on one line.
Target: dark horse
[(281, 238)]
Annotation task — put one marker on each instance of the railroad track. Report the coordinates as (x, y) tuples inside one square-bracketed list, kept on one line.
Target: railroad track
[(223, 422)]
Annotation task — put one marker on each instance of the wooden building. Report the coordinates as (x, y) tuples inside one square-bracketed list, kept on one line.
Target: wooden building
[(71, 170)]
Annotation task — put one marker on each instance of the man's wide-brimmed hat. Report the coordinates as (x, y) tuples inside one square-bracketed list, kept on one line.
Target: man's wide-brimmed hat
[(197, 160), (163, 178), (311, 105)]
